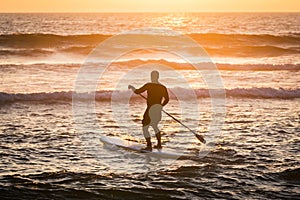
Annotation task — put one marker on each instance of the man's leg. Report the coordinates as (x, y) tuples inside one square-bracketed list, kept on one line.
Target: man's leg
[(146, 122), (158, 136), (147, 137), (155, 116)]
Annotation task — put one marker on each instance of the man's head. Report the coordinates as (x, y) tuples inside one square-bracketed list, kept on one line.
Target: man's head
[(154, 76)]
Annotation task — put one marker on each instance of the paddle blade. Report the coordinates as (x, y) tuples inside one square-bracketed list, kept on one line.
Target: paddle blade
[(200, 138)]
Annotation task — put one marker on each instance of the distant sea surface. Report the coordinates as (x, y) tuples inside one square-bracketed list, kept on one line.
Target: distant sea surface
[(44, 156)]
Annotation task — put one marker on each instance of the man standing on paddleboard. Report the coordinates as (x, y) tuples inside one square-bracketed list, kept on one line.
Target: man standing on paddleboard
[(157, 97)]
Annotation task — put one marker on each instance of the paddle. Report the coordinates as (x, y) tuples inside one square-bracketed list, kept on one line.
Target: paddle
[(199, 137)]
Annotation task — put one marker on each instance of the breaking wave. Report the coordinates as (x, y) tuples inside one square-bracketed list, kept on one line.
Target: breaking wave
[(236, 45), (205, 38), (264, 93)]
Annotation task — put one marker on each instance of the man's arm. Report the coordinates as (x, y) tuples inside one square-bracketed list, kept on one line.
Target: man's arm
[(166, 97), (138, 91)]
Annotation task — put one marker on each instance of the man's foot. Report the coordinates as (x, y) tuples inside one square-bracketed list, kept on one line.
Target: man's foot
[(157, 147), (148, 148), (149, 145), (158, 137)]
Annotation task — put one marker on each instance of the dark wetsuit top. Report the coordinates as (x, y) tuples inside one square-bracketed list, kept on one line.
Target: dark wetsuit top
[(155, 93)]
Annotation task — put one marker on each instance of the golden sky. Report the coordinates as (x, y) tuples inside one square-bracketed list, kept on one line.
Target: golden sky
[(149, 5)]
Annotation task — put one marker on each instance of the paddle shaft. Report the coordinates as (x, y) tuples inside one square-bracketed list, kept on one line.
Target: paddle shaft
[(178, 121), (199, 137)]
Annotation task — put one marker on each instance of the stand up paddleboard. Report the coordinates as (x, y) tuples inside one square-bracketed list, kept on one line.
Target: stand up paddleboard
[(137, 147)]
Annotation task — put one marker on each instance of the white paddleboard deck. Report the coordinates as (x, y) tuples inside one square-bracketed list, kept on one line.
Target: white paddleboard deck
[(137, 147)]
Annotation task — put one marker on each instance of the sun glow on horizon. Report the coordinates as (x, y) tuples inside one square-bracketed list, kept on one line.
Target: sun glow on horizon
[(149, 6)]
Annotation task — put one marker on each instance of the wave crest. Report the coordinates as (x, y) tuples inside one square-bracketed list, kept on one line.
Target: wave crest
[(217, 45), (264, 93)]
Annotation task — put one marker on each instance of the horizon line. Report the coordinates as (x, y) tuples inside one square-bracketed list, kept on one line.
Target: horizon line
[(61, 12)]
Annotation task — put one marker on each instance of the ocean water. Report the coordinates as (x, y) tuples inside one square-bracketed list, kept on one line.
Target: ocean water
[(52, 117)]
